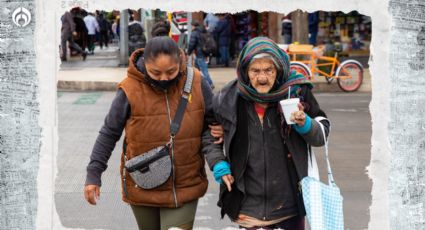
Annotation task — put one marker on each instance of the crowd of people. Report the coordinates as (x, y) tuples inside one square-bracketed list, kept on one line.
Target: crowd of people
[(173, 123), (81, 30)]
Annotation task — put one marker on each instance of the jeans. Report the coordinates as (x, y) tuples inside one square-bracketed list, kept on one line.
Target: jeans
[(202, 65), (224, 55), (287, 39)]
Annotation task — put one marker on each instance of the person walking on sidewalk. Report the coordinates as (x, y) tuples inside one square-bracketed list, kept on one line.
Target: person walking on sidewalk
[(287, 29), (92, 27), (146, 101), (105, 27), (68, 30), (265, 157), (136, 36), (210, 22), (223, 31), (313, 27), (195, 48)]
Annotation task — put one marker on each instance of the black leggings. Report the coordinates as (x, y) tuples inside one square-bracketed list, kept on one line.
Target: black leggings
[(104, 39)]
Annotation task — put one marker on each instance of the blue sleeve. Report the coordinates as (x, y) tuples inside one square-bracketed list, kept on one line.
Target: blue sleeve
[(305, 128), (220, 169)]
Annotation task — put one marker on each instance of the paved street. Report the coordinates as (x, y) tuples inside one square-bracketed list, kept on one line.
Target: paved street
[(81, 115)]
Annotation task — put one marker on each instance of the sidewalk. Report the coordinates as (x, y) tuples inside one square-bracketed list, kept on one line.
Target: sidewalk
[(107, 78)]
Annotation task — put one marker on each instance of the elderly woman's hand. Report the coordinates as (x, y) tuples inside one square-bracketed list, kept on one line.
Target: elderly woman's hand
[(299, 116), (228, 181), (217, 132)]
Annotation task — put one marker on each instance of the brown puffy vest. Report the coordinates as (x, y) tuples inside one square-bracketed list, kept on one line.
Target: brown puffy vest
[(149, 127)]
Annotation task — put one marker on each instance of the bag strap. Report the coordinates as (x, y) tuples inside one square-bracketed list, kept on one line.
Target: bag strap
[(312, 164), (331, 180), (187, 90), (313, 170), (186, 94)]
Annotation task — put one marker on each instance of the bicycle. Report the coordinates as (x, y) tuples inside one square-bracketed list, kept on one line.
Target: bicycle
[(349, 73)]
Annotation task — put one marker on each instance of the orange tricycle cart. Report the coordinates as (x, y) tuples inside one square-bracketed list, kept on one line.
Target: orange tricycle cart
[(304, 60)]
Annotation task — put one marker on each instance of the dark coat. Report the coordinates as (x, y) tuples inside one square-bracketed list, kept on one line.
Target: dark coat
[(225, 109), (195, 43), (223, 31), (136, 37)]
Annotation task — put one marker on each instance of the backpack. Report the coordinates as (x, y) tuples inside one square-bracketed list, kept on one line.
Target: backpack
[(208, 44)]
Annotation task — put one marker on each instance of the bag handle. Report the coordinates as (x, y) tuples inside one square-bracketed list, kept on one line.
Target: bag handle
[(186, 94), (331, 180), (312, 165)]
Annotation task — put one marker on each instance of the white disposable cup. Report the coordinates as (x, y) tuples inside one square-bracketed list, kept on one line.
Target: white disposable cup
[(288, 107)]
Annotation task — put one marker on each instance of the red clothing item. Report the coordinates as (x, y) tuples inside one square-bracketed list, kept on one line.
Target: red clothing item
[(259, 110)]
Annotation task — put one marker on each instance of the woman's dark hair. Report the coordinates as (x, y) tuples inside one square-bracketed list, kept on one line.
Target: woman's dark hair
[(161, 45), (161, 28)]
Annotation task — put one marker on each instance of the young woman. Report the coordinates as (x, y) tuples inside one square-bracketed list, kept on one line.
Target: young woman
[(144, 106)]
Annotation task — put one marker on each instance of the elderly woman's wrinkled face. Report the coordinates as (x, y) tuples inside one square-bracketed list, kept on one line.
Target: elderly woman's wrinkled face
[(262, 74)]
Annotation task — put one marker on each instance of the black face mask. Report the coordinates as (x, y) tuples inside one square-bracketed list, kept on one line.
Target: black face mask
[(158, 84), (163, 84)]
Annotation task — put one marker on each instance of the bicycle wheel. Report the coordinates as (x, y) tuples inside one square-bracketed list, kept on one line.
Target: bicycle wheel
[(301, 68), (350, 75)]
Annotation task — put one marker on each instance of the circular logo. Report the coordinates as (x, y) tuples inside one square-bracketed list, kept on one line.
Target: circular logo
[(21, 17)]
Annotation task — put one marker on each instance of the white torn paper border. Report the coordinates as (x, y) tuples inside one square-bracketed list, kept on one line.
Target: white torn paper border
[(383, 75)]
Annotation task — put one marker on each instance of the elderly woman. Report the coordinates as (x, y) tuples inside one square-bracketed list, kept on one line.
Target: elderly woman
[(265, 157)]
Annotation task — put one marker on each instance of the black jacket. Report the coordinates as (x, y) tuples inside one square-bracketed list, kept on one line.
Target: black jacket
[(136, 37), (195, 43), (225, 109)]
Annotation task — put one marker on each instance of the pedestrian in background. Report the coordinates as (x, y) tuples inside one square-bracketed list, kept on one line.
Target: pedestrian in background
[(68, 30), (104, 27), (80, 28), (210, 22), (92, 27), (145, 102), (161, 28), (287, 29), (265, 157), (136, 36), (114, 28), (313, 27), (195, 49), (223, 31)]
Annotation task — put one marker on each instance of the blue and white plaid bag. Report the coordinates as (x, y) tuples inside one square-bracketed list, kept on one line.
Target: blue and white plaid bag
[(323, 202)]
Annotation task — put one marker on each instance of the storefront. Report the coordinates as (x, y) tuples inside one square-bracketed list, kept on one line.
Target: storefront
[(352, 30)]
